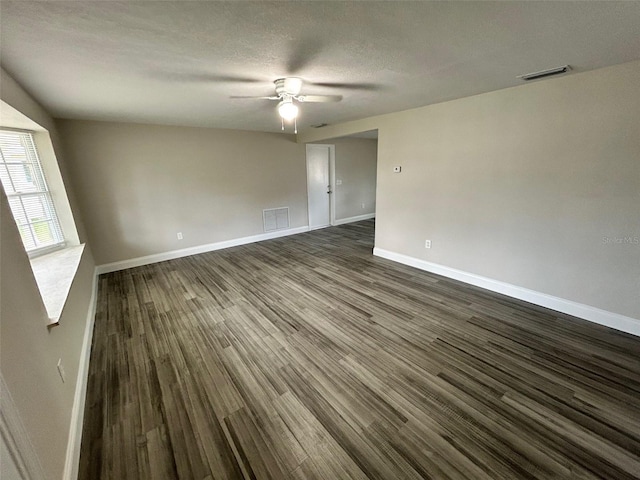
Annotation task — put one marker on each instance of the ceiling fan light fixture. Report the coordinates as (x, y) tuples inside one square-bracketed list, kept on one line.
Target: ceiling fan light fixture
[(288, 96), (287, 109)]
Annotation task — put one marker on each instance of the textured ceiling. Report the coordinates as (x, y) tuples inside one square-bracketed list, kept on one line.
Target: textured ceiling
[(179, 62)]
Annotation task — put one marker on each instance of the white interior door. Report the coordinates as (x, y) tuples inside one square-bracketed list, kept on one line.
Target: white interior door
[(319, 185)]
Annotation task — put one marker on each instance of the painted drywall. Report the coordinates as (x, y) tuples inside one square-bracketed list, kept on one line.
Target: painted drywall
[(139, 185), (31, 116), (8, 468), (29, 351), (537, 186), (355, 165)]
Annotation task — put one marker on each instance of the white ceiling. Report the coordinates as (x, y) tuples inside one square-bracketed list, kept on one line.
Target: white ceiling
[(178, 62)]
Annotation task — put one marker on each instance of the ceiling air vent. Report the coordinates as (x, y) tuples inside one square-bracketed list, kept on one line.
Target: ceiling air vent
[(320, 125), (545, 73)]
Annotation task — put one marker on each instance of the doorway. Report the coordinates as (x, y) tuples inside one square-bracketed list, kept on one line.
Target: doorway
[(320, 185)]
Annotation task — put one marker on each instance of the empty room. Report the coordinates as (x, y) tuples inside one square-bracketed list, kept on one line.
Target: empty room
[(319, 240)]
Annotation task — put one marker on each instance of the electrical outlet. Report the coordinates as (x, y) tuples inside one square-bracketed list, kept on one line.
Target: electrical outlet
[(338, 182), (397, 169), (427, 244), (63, 376), (179, 235)]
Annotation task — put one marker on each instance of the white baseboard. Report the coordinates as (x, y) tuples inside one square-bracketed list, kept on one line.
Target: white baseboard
[(185, 252), (72, 461), (586, 312), (357, 218), (15, 438)]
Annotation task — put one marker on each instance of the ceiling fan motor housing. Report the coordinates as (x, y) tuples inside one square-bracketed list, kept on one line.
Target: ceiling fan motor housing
[(288, 86)]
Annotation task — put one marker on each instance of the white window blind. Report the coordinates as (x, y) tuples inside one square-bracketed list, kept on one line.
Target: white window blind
[(29, 198)]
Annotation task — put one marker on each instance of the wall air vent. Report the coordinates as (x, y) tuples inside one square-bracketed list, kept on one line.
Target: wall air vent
[(275, 219), (545, 73)]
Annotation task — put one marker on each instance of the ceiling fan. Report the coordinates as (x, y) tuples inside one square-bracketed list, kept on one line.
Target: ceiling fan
[(288, 95)]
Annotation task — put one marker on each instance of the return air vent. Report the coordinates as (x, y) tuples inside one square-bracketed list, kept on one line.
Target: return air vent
[(275, 219), (545, 73)]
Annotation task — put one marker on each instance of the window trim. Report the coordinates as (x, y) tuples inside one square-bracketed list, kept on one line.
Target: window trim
[(53, 221)]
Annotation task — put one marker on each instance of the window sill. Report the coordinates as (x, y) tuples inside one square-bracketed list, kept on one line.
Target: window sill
[(54, 275)]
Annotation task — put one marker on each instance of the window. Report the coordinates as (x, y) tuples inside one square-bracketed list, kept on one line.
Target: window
[(27, 192)]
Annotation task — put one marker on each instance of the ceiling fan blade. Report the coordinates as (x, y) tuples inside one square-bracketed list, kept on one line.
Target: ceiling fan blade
[(199, 77), (304, 51), (319, 98), (234, 78), (349, 86), (253, 96)]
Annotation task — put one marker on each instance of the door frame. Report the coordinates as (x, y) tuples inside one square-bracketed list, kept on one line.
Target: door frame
[(332, 181)]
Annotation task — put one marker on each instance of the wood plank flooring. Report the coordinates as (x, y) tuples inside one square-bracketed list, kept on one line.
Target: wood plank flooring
[(308, 358)]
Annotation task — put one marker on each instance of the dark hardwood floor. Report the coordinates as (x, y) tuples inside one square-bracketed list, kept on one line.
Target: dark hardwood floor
[(308, 358)]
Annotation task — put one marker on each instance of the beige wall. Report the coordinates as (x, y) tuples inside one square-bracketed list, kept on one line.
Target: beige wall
[(141, 184), (29, 352), (48, 144), (356, 164), (8, 468), (520, 185)]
